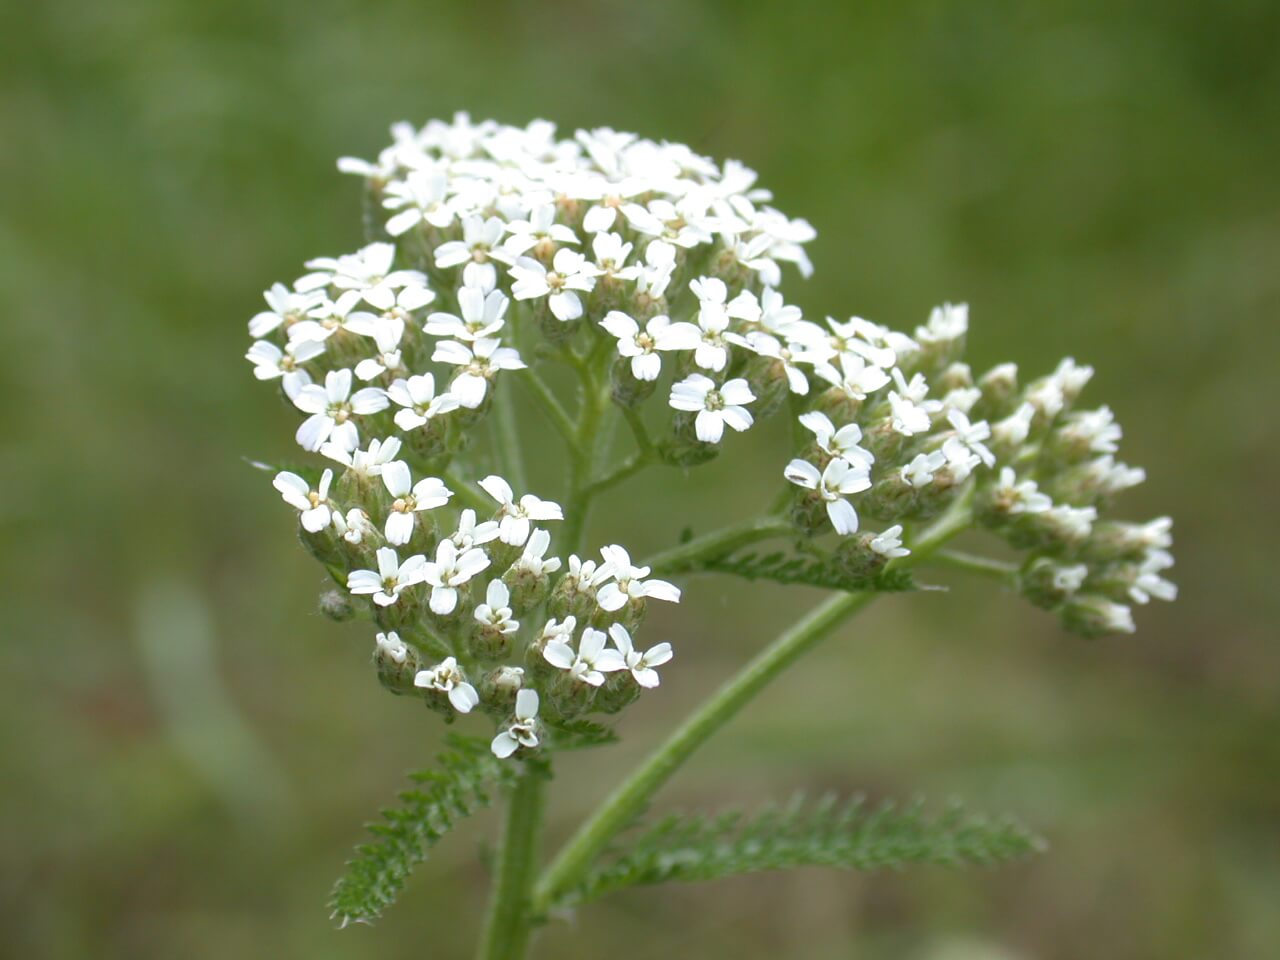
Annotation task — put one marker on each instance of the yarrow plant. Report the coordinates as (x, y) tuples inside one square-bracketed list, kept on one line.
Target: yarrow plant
[(501, 261)]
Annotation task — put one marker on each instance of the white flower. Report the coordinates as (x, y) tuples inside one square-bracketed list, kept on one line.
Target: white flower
[(421, 196), (332, 407), (839, 479), (426, 494), (496, 610), (534, 559), (391, 646), (269, 362), (355, 527), (367, 462), (1148, 583), (541, 225), (971, 435), (640, 664), (611, 256), (919, 472), (313, 505), (480, 243), (480, 363), (1072, 524), (368, 270), (714, 406), (390, 579), (1095, 430), (642, 346), (591, 661), (788, 356), (629, 582), (331, 316), (387, 335), (713, 320), (446, 678), (1012, 496), (287, 307), (523, 730), (451, 569), (1013, 430), (889, 543), (482, 315), (842, 443), (471, 534), (585, 575), (417, 396), (570, 271), (854, 377), (907, 417), (946, 323), (514, 518)]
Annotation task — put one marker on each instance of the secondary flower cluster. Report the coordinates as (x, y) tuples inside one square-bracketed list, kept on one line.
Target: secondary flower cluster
[(496, 249)]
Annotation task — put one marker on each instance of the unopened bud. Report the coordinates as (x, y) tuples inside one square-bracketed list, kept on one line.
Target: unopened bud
[(336, 605), (1048, 584), (1091, 615), (396, 663)]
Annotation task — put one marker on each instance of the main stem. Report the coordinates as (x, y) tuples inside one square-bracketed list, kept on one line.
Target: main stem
[(509, 924)]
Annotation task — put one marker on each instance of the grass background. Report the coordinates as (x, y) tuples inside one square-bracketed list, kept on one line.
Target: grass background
[(188, 749)]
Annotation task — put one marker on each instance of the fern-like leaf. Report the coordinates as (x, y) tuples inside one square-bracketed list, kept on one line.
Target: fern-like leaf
[(785, 568), (797, 834), (455, 789)]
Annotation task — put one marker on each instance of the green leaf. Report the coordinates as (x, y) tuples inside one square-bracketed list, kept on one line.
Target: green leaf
[(798, 834), (784, 568), (457, 788)]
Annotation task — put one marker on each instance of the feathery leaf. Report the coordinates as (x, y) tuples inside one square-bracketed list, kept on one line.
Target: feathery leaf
[(784, 568), (457, 788), (798, 834)]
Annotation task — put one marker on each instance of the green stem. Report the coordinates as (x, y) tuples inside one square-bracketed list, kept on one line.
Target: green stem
[(687, 556), (972, 563), (510, 921), (630, 798), (510, 457), (551, 406), (626, 803)]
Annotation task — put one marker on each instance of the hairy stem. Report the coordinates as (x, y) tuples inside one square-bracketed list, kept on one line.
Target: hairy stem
[(510, 920), (510, 457), (627, 802), (688, 556), (972, 563)]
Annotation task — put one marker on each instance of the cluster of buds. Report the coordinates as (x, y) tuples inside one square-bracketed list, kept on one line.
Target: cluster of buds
[(495, 250)]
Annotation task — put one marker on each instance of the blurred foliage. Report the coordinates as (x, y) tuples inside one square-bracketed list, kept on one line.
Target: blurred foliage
[(188, 749)]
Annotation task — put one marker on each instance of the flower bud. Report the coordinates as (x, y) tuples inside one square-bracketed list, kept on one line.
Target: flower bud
[(857, 560), (1048, 584), (627, 391), (837, 404), (999, 387), (618, 692), (768, 379), (1091, 615), (958, 376), (336, 605), (396, 663), (684, 449), (499, 687)]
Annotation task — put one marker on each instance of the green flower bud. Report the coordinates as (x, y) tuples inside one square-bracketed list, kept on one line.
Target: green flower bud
[(1047, 583), (1091, 615), (336, 605), (396, 663)]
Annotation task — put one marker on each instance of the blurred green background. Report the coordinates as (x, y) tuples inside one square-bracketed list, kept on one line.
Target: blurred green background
[(188, 749)]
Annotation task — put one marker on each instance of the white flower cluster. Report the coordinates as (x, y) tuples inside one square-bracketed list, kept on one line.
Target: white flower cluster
[(496, 250)]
